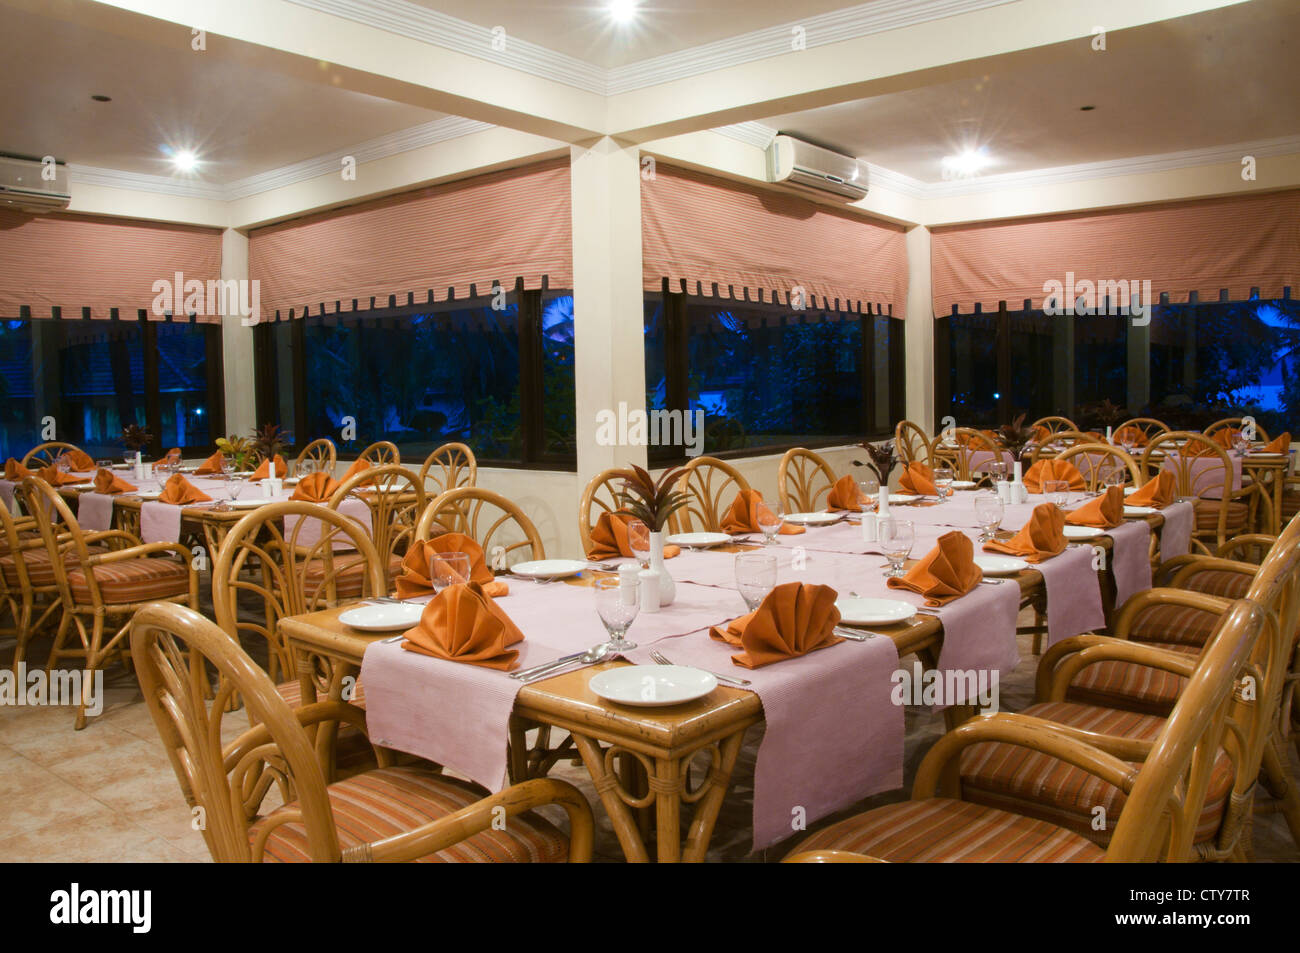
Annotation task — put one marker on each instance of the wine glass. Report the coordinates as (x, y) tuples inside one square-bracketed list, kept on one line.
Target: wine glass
[(896, 538), (1116, 476), (617, 604), (755, 577), (868, 488), (1057, 492), (988, 513), (449, 569), (305, 468), (235, 486), (769, 517), (638, 541), (998, 471), (103, 464), (943, 482), (222, 480)]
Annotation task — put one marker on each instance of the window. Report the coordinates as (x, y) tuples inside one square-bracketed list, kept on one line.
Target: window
[(92, 378), (1191, 364), (498, 379), (769, 378)]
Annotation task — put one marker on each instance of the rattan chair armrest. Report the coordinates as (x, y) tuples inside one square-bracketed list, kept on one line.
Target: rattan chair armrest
[(138, 552), (1052, 658), (1138, 653), (313, 714), (1165, 595), (831, 857), (939, 773), (103, 534), (1170, 567), (480, 816)]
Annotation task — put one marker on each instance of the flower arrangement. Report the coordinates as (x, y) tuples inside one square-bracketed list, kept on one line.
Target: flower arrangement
[(1015, 436), (884, 457), (652, 501), (135, 437), (239, 450), (270, 439)]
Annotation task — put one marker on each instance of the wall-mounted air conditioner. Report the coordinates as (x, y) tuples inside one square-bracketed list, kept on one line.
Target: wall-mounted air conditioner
[(811, 168), (25, 188)]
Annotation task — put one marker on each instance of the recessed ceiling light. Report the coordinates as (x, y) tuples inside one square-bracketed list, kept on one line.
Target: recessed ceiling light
[(185, 161), (101, 98), (1084, 109), (967, 162), (623, 11)]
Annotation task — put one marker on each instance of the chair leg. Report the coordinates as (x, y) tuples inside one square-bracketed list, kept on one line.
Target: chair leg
[(93, 664), (1279, 780), (57, 651)]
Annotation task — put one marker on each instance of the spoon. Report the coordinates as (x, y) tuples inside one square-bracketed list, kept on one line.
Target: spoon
[(590, 657)]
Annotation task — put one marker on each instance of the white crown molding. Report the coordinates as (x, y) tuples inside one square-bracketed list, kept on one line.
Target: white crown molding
[(143, 182), (420, 23), (751, 133)]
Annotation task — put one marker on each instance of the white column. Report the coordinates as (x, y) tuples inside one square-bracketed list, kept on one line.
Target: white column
[(920, 330), (607, 296), (237, 341)]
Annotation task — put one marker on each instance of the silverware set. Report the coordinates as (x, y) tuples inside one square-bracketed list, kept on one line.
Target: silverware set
[(661, 659)]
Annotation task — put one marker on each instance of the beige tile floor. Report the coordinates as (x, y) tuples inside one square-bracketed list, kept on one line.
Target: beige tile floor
[(108, 793)]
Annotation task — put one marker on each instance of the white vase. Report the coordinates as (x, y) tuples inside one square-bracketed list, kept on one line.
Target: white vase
[(667, 588)]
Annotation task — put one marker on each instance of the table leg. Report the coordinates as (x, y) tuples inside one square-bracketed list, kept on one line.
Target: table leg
[(714, 790), (620, 814), (666, 786)]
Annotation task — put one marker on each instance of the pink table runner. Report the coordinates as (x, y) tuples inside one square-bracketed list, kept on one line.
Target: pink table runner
[(95, 511), (1176, 534), (1130, 559)]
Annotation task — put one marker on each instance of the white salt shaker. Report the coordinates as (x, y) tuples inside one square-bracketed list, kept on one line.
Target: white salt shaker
[(1004, 492), (627, 578), (869, 527), (649, 590), (273, 486)]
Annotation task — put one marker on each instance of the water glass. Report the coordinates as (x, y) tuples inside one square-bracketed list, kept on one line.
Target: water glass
[(1117, 476), (755, 577), (769, 517), (988, 513), (305, 467), (943, 481), (235, 485), (868, 488), (617, 604), (896, 539), (449, 569), (1057, 491), (638, 541), (998, 471)]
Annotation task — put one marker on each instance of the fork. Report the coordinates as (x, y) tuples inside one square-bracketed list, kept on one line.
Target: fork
[(662, 659)]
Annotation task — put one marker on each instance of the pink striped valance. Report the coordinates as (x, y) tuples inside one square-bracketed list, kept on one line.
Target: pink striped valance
[(83, 263), (740, 241), (1236, 243), (454, 240)]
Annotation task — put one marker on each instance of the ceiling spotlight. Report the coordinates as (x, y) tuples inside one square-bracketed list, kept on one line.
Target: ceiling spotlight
[(623, 11), (966, 163), (185, 161)]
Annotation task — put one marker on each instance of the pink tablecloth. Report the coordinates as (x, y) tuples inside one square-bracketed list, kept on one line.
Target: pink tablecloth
[(1176, 534), (95, 511)]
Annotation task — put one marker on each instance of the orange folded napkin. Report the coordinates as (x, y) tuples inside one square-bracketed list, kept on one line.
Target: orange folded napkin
[(315, 488), (182, 492), (421, 559), (171, 456), (1279, 444), (944, 573), (1045, 471), (264, 471), (15, 471), (917, 478), (1041, 538), (54, 477), (1041, 433), (1139, 438), (1157, 492), (796, 618), (106, 481), (213, 464), (1223, 438), (743, 515), (464, 624), (1105, 512), (78, 460), (847, 495), (609, 538), (970, 440), (358, 466)]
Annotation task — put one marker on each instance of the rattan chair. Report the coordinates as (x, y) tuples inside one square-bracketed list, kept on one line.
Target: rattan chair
[(1220, 516), (1163, 798), (601, 493), (380, 453), (711, 485), (26, 579), (911, 443), (321, 452), (1148, 427), (450, 466), (45, 454), (383, 815), (1057, 443), (500, 527), (803, 478), (1095, 461), (100, 585), (1235, 423), (957, 448), (396, 498), (1055, 425)]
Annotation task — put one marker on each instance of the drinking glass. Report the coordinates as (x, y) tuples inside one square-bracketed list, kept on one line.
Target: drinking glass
[(755, 577), (998, 471), (222, 479), (896, 538), (769, 517), (1057, 491), (305, 468), (449, 569), (943, 481), (617, 603), (235, 486), (868, 488), (103, 464), (638, 540), (1117, 476), (1240, 444), (988, 513)]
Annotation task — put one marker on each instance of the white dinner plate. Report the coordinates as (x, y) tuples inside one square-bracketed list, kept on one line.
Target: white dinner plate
[(903, 498), (387, 617), (1128, 490), (1000, 565), (814, 519), (549, 568), (964, 484), (1082, 532), (1140, 510), (698, 540), (652, 686), (862, 610), (248, 504), (148, 494)]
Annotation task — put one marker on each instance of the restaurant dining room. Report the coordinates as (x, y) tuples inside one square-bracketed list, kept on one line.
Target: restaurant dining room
[(650, 431)]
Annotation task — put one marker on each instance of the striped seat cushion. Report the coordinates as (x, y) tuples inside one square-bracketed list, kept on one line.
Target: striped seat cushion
[(1218, 582), (40, 571), (349, 576), (940, 830), (353, 752), (1175, 625), (1017, 779), (1129, 686), (388, 801), (1207, 517), (133, 580)]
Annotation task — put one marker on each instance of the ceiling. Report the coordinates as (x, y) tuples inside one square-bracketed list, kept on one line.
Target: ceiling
[(1215, 79), (239, 117), (585, 30)]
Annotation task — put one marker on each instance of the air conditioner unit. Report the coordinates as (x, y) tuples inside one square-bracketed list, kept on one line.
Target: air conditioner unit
[(811, 168), (25, 188)]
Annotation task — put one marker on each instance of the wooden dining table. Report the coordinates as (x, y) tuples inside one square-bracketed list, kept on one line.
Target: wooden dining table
[(640, 760)]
